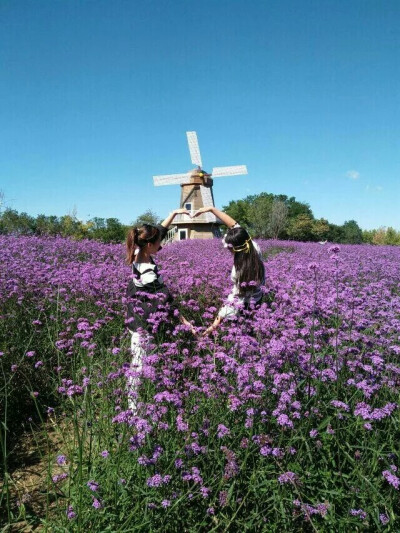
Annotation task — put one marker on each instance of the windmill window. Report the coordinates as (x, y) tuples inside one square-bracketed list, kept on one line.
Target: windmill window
[(188, 206), (182, 234)]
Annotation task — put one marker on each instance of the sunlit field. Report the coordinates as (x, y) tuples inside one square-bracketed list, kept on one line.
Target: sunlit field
[(283, 420)]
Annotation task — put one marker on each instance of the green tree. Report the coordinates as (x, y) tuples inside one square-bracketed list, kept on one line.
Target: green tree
[(368, 236), (254, 212), (260, 213), (352, 233), (320, 229), (239, 211), (277, 218), (392, 236), (336, 233), (96, 228), (379, 236), (16, 223), (114, 231), (68, 225), (300, 228), (148, 217), (295, 208)]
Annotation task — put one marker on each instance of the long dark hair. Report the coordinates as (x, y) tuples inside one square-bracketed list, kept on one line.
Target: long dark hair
[(139, 237), (247, 262)]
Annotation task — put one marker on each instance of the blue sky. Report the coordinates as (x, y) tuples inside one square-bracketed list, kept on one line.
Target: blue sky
[(96, 97)]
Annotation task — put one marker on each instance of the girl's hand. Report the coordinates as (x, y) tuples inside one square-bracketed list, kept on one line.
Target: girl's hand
[(213, 326), (187, 323), (207, 331), (181, 211), (203, 210)]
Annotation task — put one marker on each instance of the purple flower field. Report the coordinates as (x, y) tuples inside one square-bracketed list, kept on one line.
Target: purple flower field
[(287, 419)]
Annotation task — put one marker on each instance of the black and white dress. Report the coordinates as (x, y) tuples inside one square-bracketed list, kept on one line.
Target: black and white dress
[(146, 294)]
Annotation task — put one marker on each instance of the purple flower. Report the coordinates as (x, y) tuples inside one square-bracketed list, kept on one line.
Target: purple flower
[(340, 405), (155, 481), (359, 512), (284, 420), (391, 478), (97, 503), (222, 431), (205, 492), (384, 519), (61, 459), (93, 485), (265, 450), (313, 433), (223, 498), (335, 249), (178, 463), (59, 477), (70, 513), (287, 477), (105, 453)]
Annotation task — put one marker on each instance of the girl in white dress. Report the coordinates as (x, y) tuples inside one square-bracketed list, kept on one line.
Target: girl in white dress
[(248, 273)]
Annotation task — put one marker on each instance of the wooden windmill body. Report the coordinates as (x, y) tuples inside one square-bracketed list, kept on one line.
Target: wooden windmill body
[(196, 192)]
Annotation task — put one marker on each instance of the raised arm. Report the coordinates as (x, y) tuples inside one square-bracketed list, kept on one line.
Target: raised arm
[(168, 221), (226, 219)]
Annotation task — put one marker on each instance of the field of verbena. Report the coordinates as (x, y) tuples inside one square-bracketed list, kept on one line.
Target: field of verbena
[(286, 421)]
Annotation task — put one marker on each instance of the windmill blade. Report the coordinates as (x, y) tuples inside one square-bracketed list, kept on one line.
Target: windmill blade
[(237, 170), (207, 202), (171, 179), (194, 148)]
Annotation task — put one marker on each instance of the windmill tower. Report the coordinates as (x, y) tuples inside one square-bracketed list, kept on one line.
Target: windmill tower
[(196, 192)]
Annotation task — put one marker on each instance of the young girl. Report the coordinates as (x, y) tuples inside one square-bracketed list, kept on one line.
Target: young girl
[(146, 292), (248, 274)]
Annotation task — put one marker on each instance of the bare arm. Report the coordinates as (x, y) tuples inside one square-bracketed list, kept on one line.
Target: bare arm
[(168, 221), (213, 326), (226, 219), (186, 322)]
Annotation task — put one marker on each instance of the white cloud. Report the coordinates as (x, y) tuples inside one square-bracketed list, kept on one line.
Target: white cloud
[(353, 174), (374, 188)]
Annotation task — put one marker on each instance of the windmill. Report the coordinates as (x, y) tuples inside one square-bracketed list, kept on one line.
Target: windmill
[(196, 192)]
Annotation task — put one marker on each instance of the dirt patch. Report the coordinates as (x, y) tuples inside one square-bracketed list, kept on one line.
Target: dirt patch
[(32, 494)]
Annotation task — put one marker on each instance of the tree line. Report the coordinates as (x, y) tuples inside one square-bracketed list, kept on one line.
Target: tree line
[(281, 217), (264, 215)]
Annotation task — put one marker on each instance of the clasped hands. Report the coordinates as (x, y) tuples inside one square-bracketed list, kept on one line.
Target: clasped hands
[(197, 333)]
